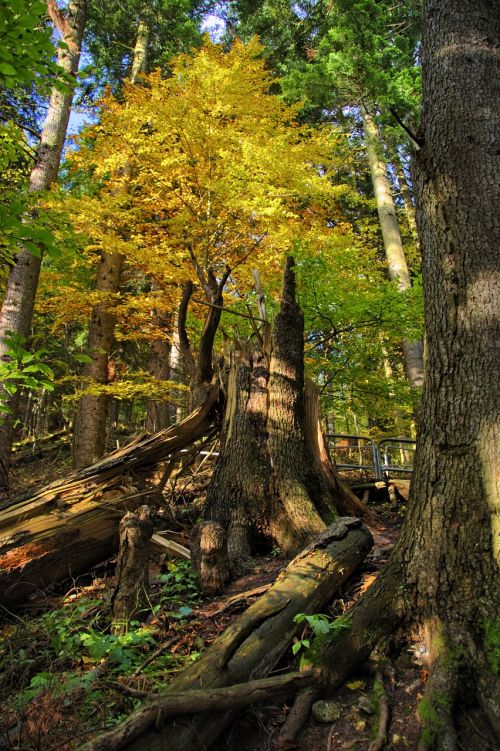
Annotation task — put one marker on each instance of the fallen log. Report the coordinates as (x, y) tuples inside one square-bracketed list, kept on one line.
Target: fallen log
[(72, 524), (254, 643)]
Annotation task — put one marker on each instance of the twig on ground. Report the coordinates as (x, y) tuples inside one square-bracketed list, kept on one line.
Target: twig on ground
[(159, 651)]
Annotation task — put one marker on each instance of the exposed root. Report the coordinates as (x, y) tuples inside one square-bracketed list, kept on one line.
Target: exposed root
[(381, 696), (297, 717)]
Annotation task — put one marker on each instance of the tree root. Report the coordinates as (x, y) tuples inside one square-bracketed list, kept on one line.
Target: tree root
[(435, 711), (381, 696), (199, 700), (297, 717)]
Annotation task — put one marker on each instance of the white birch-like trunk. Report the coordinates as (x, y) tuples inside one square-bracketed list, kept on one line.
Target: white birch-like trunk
[(19, 299), (393, 245)]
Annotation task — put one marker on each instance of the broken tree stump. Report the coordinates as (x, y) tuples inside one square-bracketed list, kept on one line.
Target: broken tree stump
[(210, 557), (72, 524), (130, 595), (253, 643)]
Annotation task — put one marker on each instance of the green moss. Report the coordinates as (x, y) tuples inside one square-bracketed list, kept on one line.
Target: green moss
[(428, 712), (492, 645)]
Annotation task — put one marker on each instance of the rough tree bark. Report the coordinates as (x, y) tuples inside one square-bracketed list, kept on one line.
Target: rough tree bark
[(19, 299), (271, 484), (130, 596), (158, 412), (443, 574), (398, 268)]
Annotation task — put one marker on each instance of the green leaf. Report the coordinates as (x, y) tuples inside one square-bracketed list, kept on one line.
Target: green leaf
[(7, 69)]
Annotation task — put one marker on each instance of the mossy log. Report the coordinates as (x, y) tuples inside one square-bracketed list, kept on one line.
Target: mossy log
[(72, 524), (253, 643)]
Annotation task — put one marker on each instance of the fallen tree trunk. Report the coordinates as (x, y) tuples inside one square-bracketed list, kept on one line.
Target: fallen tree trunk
[(253, 643), (72, 524)]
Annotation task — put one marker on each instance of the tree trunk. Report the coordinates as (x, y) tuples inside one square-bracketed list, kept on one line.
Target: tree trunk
[(89, 441), (19, 299), (443, 574), (158, 412), (406, 195), (267, 487), (393, 245), (67, 527), (130, 596), (140, 59), (251, 646)]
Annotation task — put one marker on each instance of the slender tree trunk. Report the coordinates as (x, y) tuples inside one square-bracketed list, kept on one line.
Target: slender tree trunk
[(406, 195), (157, 411), (140, 60), (91, 420), (89, 441), (19, 299), (393, 245)]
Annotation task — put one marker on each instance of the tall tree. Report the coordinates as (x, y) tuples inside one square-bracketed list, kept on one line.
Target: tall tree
[(443, 574), (89, 437), (155, 26), (19, 299)]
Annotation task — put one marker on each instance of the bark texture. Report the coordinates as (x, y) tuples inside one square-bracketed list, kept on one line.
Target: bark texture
[(91, 420), (273, 482), (443, 574), (19, 298), (398, 268), (130, 596)]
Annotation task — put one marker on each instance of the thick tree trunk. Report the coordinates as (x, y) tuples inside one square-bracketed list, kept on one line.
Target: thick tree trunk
[(251, 646), (398, 268), (457, 177), (443, 574), (271, 484), (19, 298), (67, 527)]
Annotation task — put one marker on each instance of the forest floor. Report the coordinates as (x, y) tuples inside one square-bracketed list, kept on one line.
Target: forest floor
[(63, 675)]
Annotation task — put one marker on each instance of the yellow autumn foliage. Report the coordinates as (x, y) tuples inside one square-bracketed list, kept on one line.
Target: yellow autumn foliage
[(204, 169)]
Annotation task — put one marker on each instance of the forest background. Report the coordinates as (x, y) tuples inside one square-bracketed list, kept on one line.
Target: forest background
[(219, 162)]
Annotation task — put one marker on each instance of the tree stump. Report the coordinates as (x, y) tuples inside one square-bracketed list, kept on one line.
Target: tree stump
[(209, 556), (130, 596)]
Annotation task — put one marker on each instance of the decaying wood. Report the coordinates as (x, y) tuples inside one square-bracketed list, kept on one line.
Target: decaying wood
[(210, 557), (131, 591), (199, 700), (67, 527), (256, 640)]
